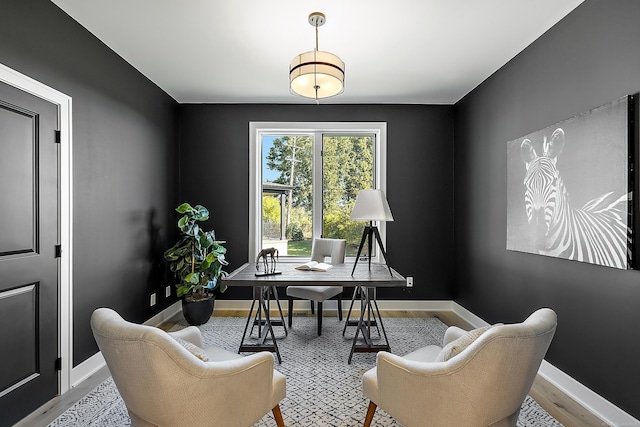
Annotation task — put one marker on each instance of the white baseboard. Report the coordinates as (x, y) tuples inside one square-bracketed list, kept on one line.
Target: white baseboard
[(87, 368), (595, 403), (165, 314), (333, 305)]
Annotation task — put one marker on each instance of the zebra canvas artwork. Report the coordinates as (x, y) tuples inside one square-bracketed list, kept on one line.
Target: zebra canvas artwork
[(568, 188)]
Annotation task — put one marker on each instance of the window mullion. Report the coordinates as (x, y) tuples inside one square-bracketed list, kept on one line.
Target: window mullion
[(317, 184)]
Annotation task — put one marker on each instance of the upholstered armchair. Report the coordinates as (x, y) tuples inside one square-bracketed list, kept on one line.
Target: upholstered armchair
[(479, 378), (168, 379), (322, 248)]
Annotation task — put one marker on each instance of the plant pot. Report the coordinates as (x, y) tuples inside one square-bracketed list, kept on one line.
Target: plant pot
[(198, 312)]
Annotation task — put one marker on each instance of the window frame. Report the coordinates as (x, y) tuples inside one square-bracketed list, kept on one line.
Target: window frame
[(318, 129)]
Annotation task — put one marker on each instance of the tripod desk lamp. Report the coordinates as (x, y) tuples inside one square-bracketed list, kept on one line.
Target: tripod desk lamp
[(371, 205)]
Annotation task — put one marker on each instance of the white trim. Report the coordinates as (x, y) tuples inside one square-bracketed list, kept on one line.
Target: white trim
[(468, 316), (87, 368), (329, 305), (65, 327), (589, 399), (165, 314), (597, 404), (256, 129)]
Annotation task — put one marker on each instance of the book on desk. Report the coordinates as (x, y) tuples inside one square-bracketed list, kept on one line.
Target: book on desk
[(314, 266)]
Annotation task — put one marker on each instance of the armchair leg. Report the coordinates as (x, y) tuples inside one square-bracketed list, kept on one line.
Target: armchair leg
[(278, 416), (370, 412)]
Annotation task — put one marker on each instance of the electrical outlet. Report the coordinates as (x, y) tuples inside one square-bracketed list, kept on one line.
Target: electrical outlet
[(167, 291), (152, 302), (409, 282)]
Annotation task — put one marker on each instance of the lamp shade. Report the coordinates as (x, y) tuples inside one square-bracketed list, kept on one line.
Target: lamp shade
[(371, 205), (317, 74)]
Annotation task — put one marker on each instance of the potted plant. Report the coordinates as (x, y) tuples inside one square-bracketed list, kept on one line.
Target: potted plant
[(197, 260)]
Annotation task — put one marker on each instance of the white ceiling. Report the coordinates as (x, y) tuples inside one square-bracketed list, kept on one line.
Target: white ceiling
[(239, 51)]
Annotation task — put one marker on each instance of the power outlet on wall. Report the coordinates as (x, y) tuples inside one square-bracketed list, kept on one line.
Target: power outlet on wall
[(167, 291), (152, 300), (409, 281)]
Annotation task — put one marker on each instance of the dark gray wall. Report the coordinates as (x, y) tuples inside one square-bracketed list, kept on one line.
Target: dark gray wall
[(124, 161), (590, 58), (419, 181)]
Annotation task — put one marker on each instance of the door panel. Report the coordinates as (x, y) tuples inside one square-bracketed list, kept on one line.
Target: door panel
[(29, 229), (17, 226), (19, 361)]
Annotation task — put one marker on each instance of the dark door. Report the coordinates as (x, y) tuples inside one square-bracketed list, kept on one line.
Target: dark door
[(28, 263)]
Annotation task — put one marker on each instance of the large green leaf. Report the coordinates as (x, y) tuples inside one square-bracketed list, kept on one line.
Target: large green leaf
[(206, 240), (201, 213), (222, 259), (193, 278), (205, 264), (183, 208), (183, 290)]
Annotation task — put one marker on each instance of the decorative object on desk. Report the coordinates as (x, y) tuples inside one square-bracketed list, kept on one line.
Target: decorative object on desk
[(314, 266), (197, 260), (269, 258), (371, 205), (569, 188)]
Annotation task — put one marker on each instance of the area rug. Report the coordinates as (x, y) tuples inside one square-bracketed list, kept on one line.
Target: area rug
[(322, 388)]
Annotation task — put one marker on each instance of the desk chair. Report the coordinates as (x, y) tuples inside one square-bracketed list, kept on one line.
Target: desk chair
[(479, 378), (334, 248), (168, 379)]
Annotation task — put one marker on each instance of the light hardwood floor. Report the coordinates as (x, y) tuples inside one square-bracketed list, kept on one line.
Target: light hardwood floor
[(564, 409)]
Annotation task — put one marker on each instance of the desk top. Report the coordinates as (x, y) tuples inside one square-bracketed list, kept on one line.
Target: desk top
[(339, 275)]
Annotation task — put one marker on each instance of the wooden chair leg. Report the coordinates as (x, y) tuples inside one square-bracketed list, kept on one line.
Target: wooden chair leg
[(311, 302), (319, 318), (339, 307), (370, 412), (278, 416), (290, 310)]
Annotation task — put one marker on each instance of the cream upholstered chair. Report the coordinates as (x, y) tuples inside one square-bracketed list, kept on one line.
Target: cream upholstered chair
[(483, 383), (334, 248), (164, 380)]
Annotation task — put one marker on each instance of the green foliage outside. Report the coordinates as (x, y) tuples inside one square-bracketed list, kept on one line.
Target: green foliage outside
[(299, 248), (303, 248), (270, 209)]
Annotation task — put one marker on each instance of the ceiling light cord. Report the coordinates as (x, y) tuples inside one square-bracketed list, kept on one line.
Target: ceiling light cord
[(315, 67)]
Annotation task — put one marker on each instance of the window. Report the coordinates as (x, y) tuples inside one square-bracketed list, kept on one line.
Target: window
[(304, 179)]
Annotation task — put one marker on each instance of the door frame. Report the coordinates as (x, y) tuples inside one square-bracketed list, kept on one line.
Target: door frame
[(65, 273)]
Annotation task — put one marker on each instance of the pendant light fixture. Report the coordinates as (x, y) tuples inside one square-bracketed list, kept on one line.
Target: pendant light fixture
[(316, 74)]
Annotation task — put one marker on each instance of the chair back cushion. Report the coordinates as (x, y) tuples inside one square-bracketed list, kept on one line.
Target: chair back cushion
[(334, 248)]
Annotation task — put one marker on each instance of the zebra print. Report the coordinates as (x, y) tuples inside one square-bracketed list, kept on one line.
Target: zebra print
[(596, 233)]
